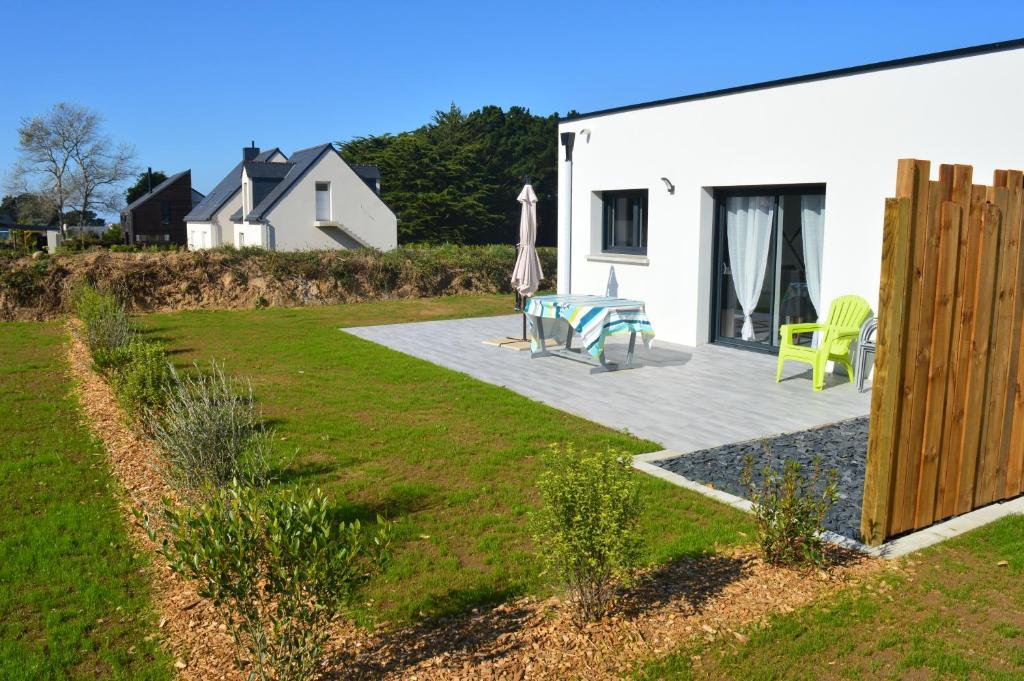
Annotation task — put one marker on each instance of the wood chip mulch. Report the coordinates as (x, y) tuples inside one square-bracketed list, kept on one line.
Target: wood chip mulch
[(693, 599)]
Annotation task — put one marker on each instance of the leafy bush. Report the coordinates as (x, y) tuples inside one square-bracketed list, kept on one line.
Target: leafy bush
[(277, 567), (587, 526), (212, 431), (789, 509), (143, 377), (108, 328)]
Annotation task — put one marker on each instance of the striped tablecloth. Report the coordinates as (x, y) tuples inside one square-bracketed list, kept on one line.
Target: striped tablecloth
[(593, 318)]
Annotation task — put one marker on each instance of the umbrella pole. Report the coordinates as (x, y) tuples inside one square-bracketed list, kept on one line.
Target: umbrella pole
[(524, 319), (520, 306)]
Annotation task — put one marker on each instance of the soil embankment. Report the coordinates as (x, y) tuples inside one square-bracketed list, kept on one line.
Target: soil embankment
[(230, 279)]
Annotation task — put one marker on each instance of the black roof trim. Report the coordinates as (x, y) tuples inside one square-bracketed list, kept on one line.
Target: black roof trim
[(301, 160), (225, 189), (157, 189), (1001, 46)]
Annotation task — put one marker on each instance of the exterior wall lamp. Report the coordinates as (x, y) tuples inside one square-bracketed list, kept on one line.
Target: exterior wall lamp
[(669, 186)]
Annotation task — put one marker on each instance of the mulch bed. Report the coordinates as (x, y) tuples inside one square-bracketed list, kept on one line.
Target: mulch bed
[(690, 599), (841, 446)]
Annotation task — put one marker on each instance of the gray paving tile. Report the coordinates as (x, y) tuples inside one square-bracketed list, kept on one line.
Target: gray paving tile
[(681, 397)]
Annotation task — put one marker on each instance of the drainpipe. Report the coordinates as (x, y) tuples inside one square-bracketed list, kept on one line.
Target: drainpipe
[(565, 217)]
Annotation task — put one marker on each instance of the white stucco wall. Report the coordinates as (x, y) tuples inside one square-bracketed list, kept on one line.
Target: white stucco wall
[(199, 235), (247, 234), (220, 227), (290, 223), (846, 132)]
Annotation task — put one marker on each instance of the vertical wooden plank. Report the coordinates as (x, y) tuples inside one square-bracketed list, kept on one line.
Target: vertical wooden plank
[(1012, 444), (920, 337), (912, 183), (952, 429), (885, 396), (991, 462), (938, 375), (974, 415)]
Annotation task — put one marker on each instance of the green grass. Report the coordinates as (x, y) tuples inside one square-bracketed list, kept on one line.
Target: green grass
[(453, 460), (957, 614), (73, 603)]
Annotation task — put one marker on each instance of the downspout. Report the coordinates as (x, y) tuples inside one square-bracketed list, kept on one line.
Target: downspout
[(565, 217)]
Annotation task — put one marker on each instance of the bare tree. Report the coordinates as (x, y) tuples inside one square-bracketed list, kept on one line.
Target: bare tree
[(66, 159), (101, 167)]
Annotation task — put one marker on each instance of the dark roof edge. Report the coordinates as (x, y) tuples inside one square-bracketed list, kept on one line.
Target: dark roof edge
[(158, 188), (261, 211), (975, 50)]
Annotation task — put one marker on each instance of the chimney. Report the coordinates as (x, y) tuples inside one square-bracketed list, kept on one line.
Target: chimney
[(149, 180), (251, 152)]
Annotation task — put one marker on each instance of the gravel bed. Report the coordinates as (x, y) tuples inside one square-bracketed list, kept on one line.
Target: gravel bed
[(842, 446)]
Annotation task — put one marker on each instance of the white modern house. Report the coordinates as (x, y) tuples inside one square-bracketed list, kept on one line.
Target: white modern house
[(312, 199), (734, 211)]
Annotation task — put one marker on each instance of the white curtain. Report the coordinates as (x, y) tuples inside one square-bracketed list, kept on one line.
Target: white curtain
[(812, 230), (748, 227)]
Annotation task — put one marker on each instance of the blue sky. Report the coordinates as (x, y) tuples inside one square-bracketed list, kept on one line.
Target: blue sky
[(190, 83)]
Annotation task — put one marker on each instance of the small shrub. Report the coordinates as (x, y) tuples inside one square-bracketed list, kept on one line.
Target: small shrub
[(212, 431), (587, 526), (108, 328), (277, 567), (143, 378), (789, 509)]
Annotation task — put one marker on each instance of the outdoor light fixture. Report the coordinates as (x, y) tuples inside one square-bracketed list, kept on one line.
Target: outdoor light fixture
[(586, 131), (669, 186)]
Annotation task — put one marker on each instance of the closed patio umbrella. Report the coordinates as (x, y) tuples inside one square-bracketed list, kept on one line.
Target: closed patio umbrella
[(527, 273)]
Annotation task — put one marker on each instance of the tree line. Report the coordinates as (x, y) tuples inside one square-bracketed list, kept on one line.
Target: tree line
[(456, 178), (453, 180)]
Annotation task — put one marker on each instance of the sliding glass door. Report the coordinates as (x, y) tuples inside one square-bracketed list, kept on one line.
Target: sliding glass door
[(767, 263)]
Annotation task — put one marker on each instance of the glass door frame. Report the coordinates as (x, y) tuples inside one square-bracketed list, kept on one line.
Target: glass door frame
[(720, 194)]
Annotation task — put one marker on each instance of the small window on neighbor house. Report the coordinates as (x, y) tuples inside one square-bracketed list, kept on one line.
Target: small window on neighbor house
[(323, 200), (165, 212), (625, 221)]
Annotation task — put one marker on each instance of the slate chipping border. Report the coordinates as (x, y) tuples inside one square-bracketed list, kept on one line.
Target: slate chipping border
[(842, 446)]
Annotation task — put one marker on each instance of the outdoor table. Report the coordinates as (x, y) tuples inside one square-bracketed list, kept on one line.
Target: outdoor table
[(593, 319)]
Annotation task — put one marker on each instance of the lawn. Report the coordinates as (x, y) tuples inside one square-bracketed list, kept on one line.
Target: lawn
[(73, 603), (958, 613), (450, 458)]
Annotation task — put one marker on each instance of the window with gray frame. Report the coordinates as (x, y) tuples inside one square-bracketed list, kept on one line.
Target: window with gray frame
[(625, 221)]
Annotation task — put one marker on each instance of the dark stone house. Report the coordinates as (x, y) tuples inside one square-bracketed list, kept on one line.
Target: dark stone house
[(158, 217)]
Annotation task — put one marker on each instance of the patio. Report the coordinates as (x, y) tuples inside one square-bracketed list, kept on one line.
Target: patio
[(683, 398)]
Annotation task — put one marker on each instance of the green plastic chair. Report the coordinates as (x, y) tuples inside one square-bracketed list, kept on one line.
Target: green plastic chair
[(845, 316)]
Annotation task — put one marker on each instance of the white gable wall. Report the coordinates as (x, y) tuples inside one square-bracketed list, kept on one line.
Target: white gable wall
[(845, 132), (290, 223)]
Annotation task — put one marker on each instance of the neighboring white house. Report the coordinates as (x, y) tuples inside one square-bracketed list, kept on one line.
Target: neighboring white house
[(762, 203), (311, 200)]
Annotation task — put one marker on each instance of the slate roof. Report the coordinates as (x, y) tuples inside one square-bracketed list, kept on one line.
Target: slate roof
[(367, 172), (265, 169), (224, 190), (159, 188), (301, 161)]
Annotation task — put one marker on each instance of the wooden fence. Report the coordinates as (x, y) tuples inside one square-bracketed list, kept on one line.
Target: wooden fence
[(947, 409)]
